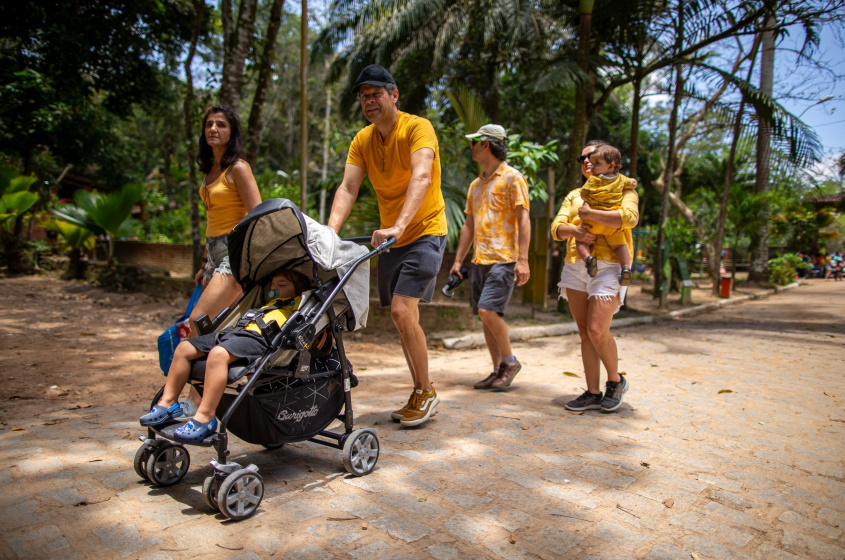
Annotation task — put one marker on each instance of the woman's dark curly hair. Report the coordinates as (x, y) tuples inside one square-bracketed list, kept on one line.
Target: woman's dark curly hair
[(235, 149)]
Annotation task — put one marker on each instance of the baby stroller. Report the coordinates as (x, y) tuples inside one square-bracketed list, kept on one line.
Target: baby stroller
[(297, 389)]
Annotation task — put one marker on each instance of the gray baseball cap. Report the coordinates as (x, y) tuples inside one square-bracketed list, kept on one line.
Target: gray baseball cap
[(491, 131)]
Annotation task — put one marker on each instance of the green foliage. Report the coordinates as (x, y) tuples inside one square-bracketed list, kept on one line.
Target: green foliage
[(782, 268), (108, 214), (529, 158), (73, 237), (15, 198)]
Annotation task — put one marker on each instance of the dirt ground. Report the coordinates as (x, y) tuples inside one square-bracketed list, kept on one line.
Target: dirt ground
[(735, 415)]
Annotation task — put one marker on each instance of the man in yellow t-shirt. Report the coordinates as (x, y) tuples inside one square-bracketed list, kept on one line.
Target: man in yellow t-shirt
[(400, 155), (498, 225)]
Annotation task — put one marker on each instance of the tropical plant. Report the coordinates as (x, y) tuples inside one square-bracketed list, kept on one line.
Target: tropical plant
[(15, 201), (783, 267), (76, 240), (103, 214)]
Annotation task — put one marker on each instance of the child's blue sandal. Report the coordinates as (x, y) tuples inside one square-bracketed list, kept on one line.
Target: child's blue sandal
[(161, 415), (194, 431)]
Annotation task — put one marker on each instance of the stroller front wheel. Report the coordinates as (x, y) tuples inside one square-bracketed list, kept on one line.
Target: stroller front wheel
[(140, 462), (240, 494), (210, 487), (168, 464), (360, 452)]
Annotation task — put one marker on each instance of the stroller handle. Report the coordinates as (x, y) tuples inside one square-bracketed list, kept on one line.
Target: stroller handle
[(362, 239)]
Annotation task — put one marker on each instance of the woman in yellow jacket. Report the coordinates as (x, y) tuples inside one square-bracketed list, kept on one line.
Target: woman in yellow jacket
[(229, 192), (594, 300)]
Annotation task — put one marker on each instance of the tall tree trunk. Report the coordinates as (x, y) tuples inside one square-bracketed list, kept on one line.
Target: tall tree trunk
[(265, 68), (714, 262), (325, 171), (235, 49), (583, 100), (635, 126), (758, 269), (303, 113), (669, 172), (188, 107)]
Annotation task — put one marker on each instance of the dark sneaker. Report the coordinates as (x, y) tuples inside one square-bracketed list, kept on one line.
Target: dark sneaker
[(613, 391), (587, 401), (487, 381), (506, 374), (625, 276)]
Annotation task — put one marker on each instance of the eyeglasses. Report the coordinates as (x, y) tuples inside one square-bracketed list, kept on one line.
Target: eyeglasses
[(582, 159)]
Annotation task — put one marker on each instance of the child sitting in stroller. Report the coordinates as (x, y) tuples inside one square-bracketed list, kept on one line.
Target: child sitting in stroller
[(222, 349)]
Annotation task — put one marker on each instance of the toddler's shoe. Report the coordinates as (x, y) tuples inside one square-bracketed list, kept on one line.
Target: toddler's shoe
[(625, 276), (592, 265), (161, 415), (188, 410), (195, 431)]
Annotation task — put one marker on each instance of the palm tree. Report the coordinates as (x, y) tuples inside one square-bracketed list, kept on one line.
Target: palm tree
[(15, 201)]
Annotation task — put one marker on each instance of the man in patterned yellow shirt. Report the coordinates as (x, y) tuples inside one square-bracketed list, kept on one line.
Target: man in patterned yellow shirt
[(497, 224)]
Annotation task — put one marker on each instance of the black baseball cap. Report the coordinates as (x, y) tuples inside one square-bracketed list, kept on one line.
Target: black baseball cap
[(373, 75)]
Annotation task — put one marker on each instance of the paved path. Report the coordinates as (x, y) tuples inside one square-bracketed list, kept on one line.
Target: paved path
[(683, 468)]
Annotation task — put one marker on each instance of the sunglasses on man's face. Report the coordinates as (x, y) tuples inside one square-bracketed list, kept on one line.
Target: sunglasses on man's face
[(475, 141)]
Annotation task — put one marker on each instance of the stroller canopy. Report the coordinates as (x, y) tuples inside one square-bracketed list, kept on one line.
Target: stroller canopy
[(277, 235)]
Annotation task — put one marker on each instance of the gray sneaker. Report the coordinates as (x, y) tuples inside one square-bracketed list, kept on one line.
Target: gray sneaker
[(613, 392), (587, 401)]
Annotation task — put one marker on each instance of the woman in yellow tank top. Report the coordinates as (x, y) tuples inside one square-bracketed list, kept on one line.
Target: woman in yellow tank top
[(229, 192)]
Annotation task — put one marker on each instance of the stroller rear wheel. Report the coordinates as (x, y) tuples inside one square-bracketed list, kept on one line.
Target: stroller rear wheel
[(168, 464), (140, 462), (360, 451), (210, 487), (240, 494)]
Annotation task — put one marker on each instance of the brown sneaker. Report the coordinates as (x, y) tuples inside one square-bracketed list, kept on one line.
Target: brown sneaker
[(506, 375), (398, 414), (423, 406), (487, 381)]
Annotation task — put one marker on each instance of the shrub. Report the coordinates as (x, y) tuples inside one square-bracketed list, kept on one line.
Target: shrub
[(782, 268)]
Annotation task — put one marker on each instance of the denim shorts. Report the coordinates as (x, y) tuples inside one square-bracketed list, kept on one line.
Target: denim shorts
[(492, 286), (605, 285), (217, 255), (411, 271)]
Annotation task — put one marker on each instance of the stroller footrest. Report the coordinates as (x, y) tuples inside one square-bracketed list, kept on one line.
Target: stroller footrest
[(166, 431)]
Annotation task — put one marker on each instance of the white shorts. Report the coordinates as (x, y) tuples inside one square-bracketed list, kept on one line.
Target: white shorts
[(605, 285)]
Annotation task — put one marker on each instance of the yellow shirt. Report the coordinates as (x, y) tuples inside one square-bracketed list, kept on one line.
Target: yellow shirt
[(279, 315), (388, 165), (605, 194), (223, 204), (491, 203), (568, 215)]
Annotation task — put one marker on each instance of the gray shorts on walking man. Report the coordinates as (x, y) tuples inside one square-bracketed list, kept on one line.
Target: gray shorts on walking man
[(492, 286), (411, 271)]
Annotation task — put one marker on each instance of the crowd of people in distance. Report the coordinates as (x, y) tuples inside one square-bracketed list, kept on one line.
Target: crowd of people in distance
[(829, 267)]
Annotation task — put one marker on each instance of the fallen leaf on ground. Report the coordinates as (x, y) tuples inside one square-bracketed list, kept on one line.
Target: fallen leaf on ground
[(725, 391), (526, 427), (719, 362), (90, 361), (623, 373), (92, 334), (646, 465), (17, 429), (513, 538), (576, 413), (54, 422), (669, 502), (364, 526), (694, 556), (342, 519), (422, 500), (570, 374), (829, 395), (230, 547), (762, 423)]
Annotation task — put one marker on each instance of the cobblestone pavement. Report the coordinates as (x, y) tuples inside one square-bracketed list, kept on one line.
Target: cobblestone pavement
[(683, 470)]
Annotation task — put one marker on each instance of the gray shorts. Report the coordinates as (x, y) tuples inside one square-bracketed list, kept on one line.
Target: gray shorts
[(411, 271), (492, 286), (217, 255)]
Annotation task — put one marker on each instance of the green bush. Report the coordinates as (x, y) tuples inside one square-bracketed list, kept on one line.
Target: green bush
[(782, 268)]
